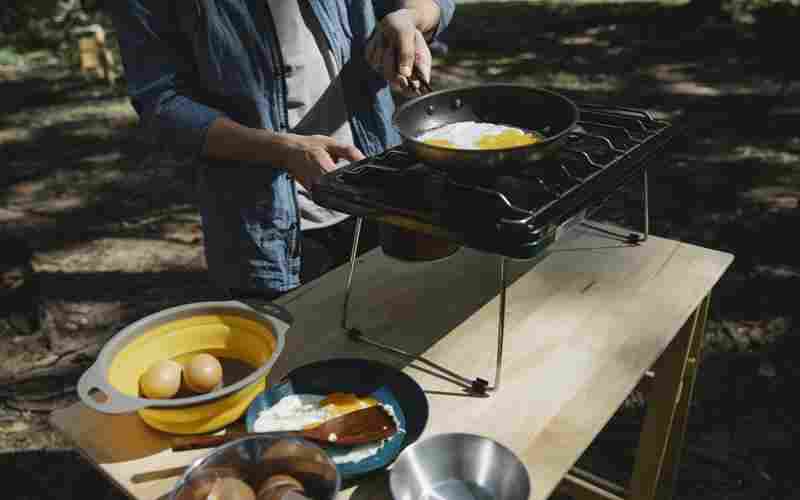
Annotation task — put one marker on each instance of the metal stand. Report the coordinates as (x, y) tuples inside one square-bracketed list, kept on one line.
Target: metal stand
[(633, 238), (475, 387)]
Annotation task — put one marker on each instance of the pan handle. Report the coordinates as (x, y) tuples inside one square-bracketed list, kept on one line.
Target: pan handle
[(92, 383)]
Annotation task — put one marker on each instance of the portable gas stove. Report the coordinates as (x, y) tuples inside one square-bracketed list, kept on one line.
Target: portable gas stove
[(516, 214)]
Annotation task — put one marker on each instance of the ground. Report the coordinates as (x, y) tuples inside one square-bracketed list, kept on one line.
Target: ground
[(114, 232)]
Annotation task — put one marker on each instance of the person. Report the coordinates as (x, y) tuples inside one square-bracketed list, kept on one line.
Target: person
[(266, 96)]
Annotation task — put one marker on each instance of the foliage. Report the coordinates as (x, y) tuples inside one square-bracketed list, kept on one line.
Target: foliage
[(45, 23), (750, 10), (8, 56)]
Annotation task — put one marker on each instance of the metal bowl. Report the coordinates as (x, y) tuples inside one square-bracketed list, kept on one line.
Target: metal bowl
[(454, 466), (254, 459)]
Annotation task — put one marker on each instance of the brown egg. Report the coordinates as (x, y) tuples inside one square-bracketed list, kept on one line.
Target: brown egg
[(231, 488), (161, 380), (202, 373), (204, 481), (278, 481), (285, 449), (282, 493)]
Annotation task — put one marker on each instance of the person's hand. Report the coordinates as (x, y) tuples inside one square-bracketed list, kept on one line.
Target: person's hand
[(395, 47), (309, 157)]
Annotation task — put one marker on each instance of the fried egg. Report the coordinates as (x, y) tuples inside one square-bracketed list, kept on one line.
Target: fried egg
[(478, 135), (340, 403), (305, 411)]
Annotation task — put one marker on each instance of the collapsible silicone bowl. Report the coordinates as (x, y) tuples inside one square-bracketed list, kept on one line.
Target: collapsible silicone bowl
[(227, 329)]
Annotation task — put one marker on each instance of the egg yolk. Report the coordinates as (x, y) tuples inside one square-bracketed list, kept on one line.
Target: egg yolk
[(440, 142), (340, 403), (506, 139)]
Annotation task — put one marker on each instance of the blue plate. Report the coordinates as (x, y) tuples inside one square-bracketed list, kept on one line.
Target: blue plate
[(362, 377)]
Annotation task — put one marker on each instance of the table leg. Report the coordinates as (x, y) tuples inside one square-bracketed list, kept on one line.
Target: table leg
[(661, 439), (669, 391), (675, 447)]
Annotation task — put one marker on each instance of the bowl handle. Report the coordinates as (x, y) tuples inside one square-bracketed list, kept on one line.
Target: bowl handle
[(270, 309), (92, 383)]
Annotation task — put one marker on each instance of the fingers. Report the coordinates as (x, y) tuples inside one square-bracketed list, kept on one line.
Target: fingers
[(389, 65), (422, 55), (393, 46), (406, 51), (395, 54), (323, 159), (345, 152), (313, 156)]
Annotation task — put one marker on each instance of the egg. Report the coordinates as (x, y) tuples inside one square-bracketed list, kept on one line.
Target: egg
[(282, 450), (340, 403), (478, 135), (161, 380), (281, 493), (206, 479), (440, 142), (277, 485), (203, 373), (231, 488), (282, 480), (306, 411)]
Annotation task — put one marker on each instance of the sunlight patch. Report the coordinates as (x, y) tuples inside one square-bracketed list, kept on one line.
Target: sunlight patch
[(767, 154)]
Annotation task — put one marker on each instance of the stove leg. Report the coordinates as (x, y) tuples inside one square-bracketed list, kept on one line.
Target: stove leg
[(477, 387), (646, 198), (631, 238), (501, 323), (353, 260), (457, 379)]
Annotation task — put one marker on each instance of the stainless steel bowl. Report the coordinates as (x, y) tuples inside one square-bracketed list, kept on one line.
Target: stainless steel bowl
[(254, 459), (456, 466)]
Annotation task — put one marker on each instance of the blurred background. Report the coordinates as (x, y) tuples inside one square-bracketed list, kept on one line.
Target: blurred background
[(98, 227)]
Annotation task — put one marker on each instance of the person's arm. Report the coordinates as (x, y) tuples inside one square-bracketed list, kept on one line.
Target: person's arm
[(307, 157), (153, 71)]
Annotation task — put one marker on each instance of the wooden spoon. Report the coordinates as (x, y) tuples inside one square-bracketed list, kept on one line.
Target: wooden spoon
[(358, 427)]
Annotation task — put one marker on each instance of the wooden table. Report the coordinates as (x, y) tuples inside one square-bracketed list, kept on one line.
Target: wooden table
[(584, 326)]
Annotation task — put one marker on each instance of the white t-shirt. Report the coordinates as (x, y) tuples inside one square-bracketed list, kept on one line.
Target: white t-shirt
[(316, 98)]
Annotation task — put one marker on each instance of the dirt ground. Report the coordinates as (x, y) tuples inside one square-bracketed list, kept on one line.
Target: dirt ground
[(114, 233)]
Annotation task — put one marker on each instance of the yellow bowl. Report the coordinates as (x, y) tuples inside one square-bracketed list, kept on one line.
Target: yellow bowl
[(229, 330)]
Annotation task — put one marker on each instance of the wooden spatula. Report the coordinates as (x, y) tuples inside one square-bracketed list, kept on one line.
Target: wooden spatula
[(358, 427)]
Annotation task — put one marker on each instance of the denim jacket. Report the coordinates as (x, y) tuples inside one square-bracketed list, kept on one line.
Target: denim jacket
[(188, 62)]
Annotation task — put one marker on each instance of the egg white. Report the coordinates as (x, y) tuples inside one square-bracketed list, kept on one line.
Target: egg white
[(297, 411), (465, 135)]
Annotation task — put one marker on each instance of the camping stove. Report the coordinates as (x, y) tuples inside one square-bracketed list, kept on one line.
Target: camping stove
[(517, 213)]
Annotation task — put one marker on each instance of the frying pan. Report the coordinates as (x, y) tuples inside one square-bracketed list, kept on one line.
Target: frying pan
[(549, 114)]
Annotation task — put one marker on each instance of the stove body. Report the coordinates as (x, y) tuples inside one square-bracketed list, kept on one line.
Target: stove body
[(521, 210)]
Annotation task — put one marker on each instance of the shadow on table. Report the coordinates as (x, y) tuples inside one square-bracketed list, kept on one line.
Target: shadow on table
[(58, 474), (373, 487)]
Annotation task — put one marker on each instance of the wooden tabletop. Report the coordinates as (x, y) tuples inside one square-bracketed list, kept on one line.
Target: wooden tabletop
[(582, 327)]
